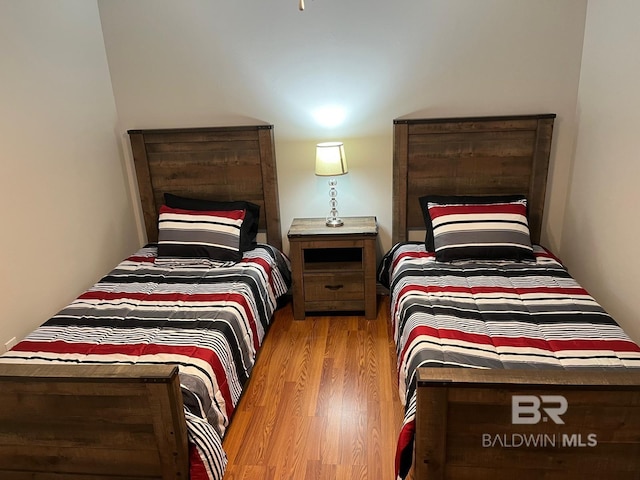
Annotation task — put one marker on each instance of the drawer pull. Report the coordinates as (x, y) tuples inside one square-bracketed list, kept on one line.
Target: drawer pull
[(334, 287)]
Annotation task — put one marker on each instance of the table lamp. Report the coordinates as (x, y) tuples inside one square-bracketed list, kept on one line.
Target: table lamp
[(331, 162)]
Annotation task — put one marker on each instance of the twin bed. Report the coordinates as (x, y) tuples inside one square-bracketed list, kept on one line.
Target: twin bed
[(549, 389), (139, 377)]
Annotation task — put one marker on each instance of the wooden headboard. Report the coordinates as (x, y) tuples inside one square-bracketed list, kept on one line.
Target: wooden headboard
[(469, 156), (214, 163)]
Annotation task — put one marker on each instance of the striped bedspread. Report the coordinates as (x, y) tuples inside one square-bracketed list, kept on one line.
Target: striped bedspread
[(208, 321), (492, 314)]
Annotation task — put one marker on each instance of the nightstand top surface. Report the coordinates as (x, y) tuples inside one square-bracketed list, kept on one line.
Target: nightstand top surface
[(317, 226)]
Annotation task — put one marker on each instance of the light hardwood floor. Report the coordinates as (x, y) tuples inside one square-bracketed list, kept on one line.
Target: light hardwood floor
[(322, 402)]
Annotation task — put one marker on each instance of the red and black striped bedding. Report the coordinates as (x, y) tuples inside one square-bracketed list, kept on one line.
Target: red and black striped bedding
[(492, 314), (208, 321)]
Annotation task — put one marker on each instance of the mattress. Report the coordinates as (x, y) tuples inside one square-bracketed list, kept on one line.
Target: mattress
[(210, 321), (492, 314)]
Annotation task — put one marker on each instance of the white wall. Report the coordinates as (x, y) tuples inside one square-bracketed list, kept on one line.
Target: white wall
[(602, 223), (66, 217), (216, 62)]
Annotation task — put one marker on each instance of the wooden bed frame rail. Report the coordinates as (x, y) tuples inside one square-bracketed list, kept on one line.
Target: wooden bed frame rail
[(99, 422), (506, 424)]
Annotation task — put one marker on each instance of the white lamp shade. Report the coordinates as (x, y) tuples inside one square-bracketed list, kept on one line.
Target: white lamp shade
[(330, 159)]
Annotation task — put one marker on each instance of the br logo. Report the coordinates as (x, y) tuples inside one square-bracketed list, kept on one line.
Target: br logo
[(527, 409)]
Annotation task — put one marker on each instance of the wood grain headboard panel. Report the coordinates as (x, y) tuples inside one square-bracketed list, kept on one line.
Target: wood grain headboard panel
[(469, 156), (214, 163)]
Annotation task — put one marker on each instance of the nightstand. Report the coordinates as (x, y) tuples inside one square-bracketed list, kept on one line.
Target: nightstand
[(334, 268)]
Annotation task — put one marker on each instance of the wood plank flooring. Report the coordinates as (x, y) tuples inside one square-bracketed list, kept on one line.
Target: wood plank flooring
[(322, 402)]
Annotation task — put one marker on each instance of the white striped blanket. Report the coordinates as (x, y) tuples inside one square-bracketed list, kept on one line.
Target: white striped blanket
[(492, 314), (210, 321)]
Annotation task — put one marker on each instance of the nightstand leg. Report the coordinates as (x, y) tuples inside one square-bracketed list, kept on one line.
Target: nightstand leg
[(370, 298), (298, 310), (298, 287), (371, 312)]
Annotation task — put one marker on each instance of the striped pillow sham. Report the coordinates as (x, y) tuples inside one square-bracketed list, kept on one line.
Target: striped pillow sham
[(249, 229), (484, 231), (206, 234)]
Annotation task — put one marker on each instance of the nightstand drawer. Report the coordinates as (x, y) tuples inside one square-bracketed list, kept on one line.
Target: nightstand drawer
[(334, 286)]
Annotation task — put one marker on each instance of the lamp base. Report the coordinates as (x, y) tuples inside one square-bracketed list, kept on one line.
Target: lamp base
[(334, 222)]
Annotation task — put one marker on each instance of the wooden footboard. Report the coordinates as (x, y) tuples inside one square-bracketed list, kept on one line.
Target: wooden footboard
[(527, 424), (99, 422)]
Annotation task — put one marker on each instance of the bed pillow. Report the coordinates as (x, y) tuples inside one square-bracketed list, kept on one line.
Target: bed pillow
[(492, 228), (457, 199), (249, 230), (213, 235)]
